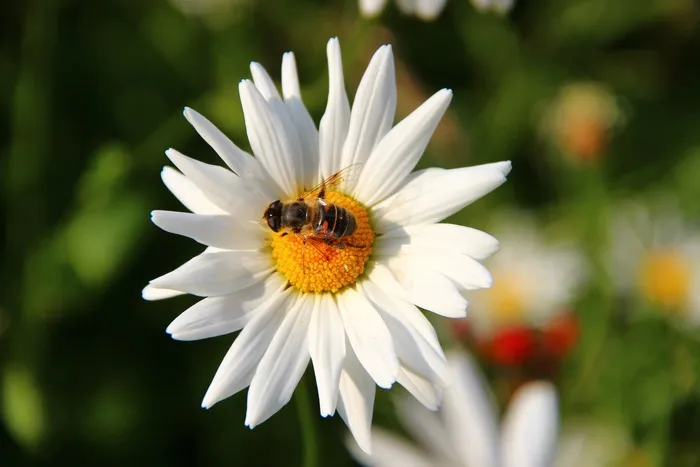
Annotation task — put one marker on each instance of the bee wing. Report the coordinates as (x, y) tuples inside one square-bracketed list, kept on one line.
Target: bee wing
[(337, 181)]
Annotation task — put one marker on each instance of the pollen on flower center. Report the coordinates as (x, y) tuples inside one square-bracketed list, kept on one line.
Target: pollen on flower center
[(312, 264), (665, 278)]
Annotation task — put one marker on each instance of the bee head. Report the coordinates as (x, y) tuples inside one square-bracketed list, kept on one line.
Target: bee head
[(273, 216)]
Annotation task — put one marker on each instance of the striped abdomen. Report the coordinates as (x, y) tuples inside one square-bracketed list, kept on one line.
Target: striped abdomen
[(334, 221)]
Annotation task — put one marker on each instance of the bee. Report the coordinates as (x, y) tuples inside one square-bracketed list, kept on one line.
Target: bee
[(312, 217)]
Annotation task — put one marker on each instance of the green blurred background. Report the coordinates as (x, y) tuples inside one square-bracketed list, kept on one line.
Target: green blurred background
[(91, 94)]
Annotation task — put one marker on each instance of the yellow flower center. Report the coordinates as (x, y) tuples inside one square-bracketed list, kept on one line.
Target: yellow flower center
[(314, 265), (506, 298), (665, 278)]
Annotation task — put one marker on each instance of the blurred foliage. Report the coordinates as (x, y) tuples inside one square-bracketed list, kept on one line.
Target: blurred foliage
[(91, 93)]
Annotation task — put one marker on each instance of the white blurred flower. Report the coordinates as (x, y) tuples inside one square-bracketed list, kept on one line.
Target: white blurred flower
[(496, 6), (429, 10), (426, 10), (533, 279), (300, 296), (656, 256), (466, 432)]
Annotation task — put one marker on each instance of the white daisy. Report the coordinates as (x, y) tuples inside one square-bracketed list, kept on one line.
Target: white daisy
[(656, 256), (465, 432), (426, 10), (534, 279), (352, 308)]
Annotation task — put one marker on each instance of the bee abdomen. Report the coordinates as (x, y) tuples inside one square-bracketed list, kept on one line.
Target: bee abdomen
[(336, 221)]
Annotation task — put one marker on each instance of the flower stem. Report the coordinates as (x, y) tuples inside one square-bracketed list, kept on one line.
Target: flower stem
[(308, 429)]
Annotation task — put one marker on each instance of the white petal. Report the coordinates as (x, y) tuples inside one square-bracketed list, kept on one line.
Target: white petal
[(369, 337), (372, 110), (429, 10), (412, 349), (221, 231), (235, 158), (264, 82), (425, 391), (273, 138), (530, 426), (282, 366), (154, 293), (430, 195), (336, 120), (427, 288), (466, 272), (356, 400), (446, 237), (470, 415), (221, 186), (399, 151), (236, 370), (327, 349), (306, 129), (218, 273), (427, 427), (390, 451), (371, 8), (187, 192), (216, 316)]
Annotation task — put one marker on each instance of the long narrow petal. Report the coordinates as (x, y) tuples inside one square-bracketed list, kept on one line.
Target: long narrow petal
[(356, 400), (430, 195), (282, 366), (154, 293), (274, 142), (217, 273), (327, 349), (238, 366), (429, 10), (234, 157), (427, 427), (221, 186), (470, 415), (390, 451), (412, 348), (372, 110), (530, 426), (466, 272), (453, 238), (369, 337), (427, 288), (306, 129), (371, 8), (216, 316), (335, 121), (399, 151), (424, 390), (221, 231), (187, 192), (263, 81)]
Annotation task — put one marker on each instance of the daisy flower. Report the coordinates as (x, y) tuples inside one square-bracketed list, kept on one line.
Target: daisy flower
[(534, 282), (343, 289), (656, 256), (465, 432)]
